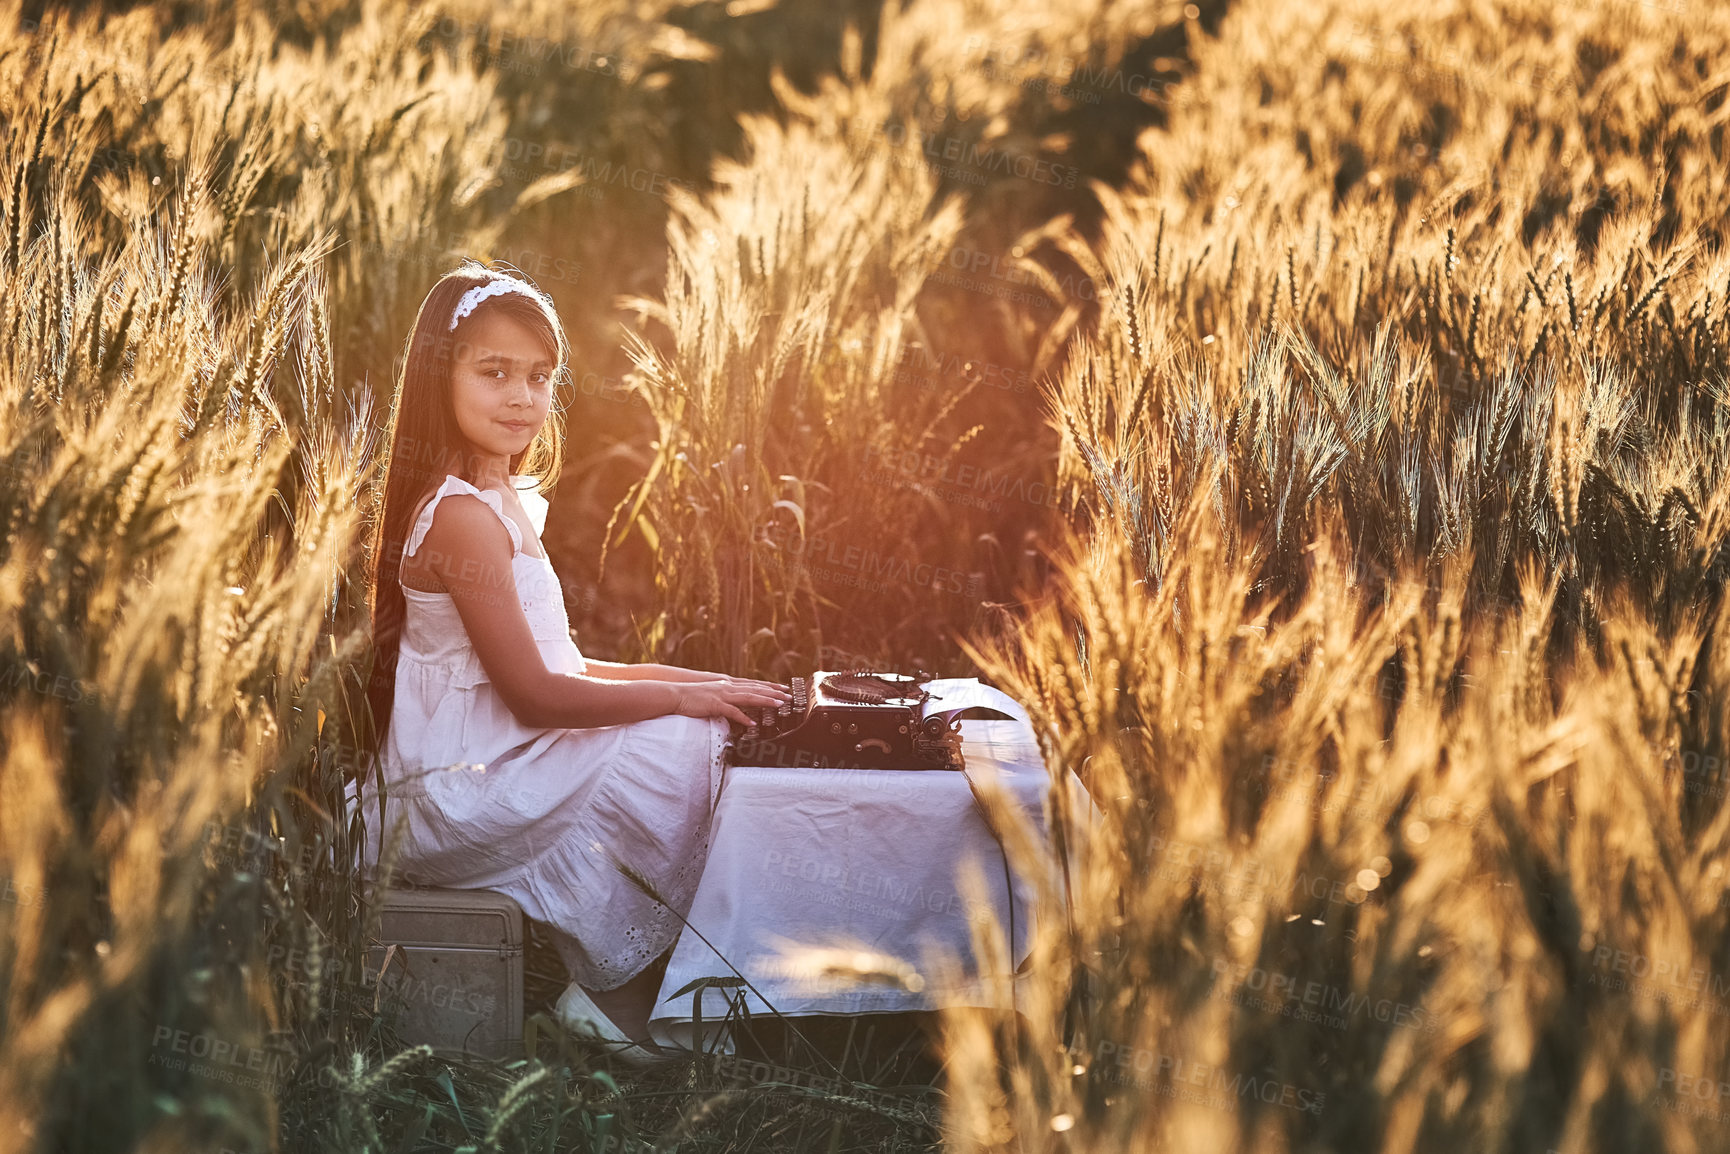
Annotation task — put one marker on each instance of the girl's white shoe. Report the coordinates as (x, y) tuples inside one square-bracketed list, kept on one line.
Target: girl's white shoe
[(578, 1013)]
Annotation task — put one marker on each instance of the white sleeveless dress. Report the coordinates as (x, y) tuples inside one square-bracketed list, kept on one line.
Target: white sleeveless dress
[(541, 814)]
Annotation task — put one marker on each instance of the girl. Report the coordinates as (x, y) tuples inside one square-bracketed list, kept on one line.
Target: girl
[(521, 766)]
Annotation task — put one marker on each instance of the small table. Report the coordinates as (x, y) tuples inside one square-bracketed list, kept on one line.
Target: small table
[(852, 860)]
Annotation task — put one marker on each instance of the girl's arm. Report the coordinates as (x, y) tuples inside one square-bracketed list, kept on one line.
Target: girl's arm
[(469, 551), (648, 671)]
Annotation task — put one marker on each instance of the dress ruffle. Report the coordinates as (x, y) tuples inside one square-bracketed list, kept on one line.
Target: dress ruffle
[(451, 486)]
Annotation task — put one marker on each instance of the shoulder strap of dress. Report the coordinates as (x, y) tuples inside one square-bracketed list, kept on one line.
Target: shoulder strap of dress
[(454, 484)]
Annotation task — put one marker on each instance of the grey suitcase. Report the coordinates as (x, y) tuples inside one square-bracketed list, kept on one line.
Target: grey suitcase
[(456, 977)]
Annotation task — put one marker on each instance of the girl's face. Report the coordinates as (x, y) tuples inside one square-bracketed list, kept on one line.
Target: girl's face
[(501, 384)]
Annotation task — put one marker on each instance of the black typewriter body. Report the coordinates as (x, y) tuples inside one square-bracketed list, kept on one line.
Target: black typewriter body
[(851, 720)]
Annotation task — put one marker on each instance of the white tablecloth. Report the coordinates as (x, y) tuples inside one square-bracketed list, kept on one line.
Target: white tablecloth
[(851, 859)]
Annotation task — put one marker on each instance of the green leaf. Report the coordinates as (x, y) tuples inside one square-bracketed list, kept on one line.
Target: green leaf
[(705, 983), (444, 1079)]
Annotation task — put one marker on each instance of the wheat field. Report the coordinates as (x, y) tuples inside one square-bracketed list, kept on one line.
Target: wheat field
[(1319, 414)]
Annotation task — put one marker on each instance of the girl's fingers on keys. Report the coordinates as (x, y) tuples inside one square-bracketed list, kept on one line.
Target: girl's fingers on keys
[(740, 694), (747, 683)]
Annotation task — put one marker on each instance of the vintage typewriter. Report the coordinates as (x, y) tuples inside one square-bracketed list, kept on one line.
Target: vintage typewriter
[(852, 720)]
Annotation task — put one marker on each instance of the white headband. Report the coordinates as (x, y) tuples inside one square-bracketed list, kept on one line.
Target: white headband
[(481, 292)]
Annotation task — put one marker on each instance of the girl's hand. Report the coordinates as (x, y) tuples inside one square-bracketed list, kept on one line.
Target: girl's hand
[(784, 693), (723, 698)]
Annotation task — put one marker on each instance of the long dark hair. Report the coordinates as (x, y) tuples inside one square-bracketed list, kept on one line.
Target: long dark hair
[(425, 444)]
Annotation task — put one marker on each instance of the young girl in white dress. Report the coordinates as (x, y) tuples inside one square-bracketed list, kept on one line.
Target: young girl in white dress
[(512, 762)]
